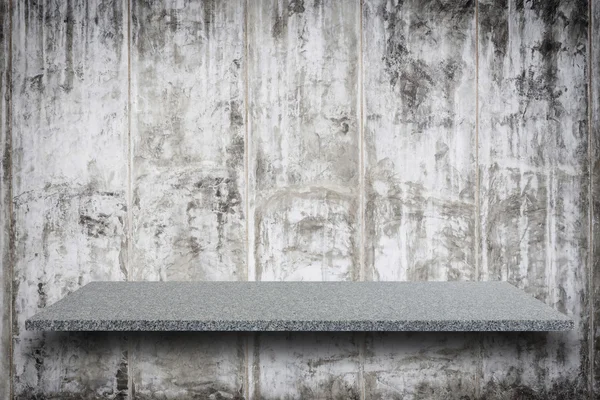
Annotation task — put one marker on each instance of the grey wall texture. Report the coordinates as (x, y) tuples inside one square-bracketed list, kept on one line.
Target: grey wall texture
[(381, 140)]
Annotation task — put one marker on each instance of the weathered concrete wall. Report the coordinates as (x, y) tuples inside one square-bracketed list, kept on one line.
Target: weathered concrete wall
[(300, 140), (69, 174), (5, 200), (303, 182), (420, 181), (534, 187), (188, 181), (594, 48), (420, 97)]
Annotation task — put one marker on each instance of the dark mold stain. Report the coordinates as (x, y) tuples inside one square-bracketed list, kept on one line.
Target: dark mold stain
[(558, 390), (413, 78), (174, 22), (280, 21), (155, 26), (95, 227), (263, 169), (343, 123), (493, 25), (538, 82), (36, 83), (42, 296), (224, 199), (123, 377), (236, 118), (69, 69), (15, 322), (296, 7), (39, 355), (195, 245), (109, 22), (209, 7), (235, 155), (160, 228), (548, 47)]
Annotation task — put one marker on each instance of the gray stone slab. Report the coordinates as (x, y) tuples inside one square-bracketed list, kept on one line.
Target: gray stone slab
[(299, 306)]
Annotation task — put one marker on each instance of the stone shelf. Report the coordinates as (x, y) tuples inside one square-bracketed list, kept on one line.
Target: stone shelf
[(299, 306)]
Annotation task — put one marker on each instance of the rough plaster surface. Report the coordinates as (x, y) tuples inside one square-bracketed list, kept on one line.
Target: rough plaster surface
[(188, 181), (187, 72), (5, 200), (528, 223), (69, 175), (303, 206), (533, 163), (306, 365), (421, 365), (304, 140), (188, 365), (420, 180), (419, 72), (595, 194)]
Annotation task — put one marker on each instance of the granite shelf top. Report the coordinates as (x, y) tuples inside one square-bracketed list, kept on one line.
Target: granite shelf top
[(299, 306)]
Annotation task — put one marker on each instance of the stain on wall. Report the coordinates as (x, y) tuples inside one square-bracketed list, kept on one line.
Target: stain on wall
[(69, 175), (533, 163), (421, 365), (307, 233), (5, 201), (303, 183), (595, 194), (188, 181), (187, 72), (303, 129), (419, 73), (188, 365), (306, 365), (420, 182)]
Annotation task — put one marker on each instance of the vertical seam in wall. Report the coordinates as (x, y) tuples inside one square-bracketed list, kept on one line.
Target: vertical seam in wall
[(129, 196), (361, 174), (129, 149), (361, 188), (246, 139), (11, 219), (590, 204), (477, 186), (479, 369), (247, 192)]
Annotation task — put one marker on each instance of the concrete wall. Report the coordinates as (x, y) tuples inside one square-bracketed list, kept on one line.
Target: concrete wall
[(5, 201), (300, 140)]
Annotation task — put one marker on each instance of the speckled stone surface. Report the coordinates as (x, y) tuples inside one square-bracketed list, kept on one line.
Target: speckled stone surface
[(299, 306)]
